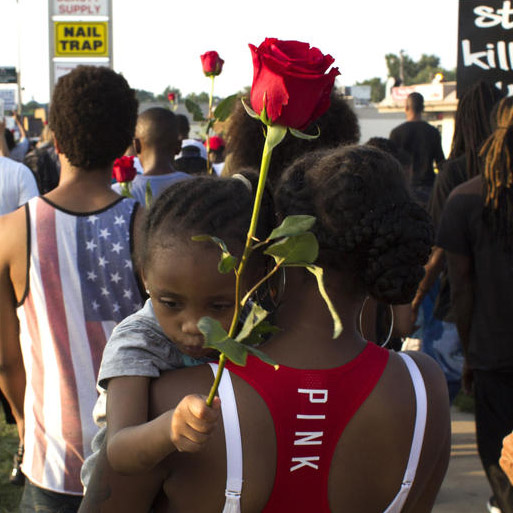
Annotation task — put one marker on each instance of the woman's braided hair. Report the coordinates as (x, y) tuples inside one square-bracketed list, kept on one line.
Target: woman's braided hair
[(472, 125), (210, 205), (498, 176), (366, 218)]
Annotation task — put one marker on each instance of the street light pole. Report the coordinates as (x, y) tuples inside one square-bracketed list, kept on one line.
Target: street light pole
[(401, 66), (18, 74)]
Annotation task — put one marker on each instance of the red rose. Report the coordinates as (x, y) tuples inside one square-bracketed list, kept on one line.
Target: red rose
[(215, 143), (171, 97), (292, 77), (123, 169), (212, 64)]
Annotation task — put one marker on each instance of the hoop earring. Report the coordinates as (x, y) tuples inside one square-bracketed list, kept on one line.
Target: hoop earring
[(389, 336), (276, 293)]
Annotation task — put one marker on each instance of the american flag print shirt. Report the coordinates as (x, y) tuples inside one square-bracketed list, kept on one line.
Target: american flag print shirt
[(80, 284)]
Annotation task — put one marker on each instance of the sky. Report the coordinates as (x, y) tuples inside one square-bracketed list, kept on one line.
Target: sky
[(158, 43)]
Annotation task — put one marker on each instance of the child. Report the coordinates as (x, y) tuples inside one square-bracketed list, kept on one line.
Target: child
[(141, 346)]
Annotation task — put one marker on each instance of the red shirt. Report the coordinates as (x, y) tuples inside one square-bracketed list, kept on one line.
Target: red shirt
[(310, 410)]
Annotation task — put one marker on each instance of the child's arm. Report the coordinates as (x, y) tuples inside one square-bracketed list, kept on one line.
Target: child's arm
[(135, 445)]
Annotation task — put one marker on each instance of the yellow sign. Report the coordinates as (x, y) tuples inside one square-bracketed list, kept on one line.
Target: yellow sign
[(81, 39)]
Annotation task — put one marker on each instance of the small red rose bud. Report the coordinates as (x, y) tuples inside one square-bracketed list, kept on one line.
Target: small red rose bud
[(123, 169), (212, 64)]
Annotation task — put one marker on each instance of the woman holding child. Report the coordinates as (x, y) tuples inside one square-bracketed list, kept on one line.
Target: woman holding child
[(321, 453)]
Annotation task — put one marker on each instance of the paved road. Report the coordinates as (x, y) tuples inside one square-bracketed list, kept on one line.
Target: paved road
[(465, 488)]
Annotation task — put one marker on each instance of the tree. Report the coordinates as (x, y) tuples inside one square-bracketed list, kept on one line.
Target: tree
[(29, 108), (199, 98), (416, 72), (144, 96), (377, 88)]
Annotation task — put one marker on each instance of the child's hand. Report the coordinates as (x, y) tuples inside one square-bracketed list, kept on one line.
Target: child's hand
[(193, 422)]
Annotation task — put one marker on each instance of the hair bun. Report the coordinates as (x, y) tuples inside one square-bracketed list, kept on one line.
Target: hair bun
[(366, 217), (399, 249)]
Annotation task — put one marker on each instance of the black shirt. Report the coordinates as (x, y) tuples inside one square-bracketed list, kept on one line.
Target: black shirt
[(452, 173), (463, 231), (424, 144)]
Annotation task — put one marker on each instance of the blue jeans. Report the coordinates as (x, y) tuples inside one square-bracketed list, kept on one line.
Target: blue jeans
[(440, 340), (39, 500)]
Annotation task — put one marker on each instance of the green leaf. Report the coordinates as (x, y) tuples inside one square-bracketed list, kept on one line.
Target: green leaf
[(262, 356), (217, 338), (319, 273), (225, 107), (302, 135), (216, 240), (227, 262), (260, 333), (249, 110), (255, 317), (293, 225), (298, 249), (148, 195), (194, 109), (264, 118)]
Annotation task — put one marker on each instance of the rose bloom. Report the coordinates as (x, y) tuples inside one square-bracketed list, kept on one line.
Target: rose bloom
[(123, 169), (171, 97), (216, 143), (212, 64), (291, 80)]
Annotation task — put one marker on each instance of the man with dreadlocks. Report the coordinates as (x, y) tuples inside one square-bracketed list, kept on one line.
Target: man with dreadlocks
[(476, 231), (473, 126)]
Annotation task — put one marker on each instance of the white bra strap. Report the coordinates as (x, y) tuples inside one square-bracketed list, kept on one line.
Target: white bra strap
[(420, 421), (233, 441), (418, 434)]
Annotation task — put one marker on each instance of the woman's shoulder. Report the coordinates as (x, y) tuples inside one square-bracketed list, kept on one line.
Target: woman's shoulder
[(427, 366), (424, 376), (436, 433)]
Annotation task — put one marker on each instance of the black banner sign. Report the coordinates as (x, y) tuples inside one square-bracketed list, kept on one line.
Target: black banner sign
[(485, 40)]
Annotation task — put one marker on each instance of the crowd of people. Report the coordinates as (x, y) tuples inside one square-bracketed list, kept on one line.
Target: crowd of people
[(102, 362)]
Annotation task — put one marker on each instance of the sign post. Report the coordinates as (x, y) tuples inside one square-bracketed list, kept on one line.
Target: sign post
[(485, 44), (80, 33)]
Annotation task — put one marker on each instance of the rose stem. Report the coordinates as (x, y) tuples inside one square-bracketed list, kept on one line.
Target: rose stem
[(264, 168), (210, 100)]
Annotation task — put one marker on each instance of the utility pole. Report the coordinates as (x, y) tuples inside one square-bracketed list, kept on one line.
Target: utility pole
[(18, 74), (401, 66)]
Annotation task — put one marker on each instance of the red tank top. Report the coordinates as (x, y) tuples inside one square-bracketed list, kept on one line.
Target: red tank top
[(310, 410)]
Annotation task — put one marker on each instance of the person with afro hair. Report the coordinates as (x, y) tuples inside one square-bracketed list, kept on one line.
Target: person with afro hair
[(66, 278)]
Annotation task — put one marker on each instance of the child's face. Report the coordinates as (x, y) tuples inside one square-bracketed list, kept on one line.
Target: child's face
[(184, 286)]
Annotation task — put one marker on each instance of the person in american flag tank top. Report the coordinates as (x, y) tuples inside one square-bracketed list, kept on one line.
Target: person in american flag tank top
[(67, 278)]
